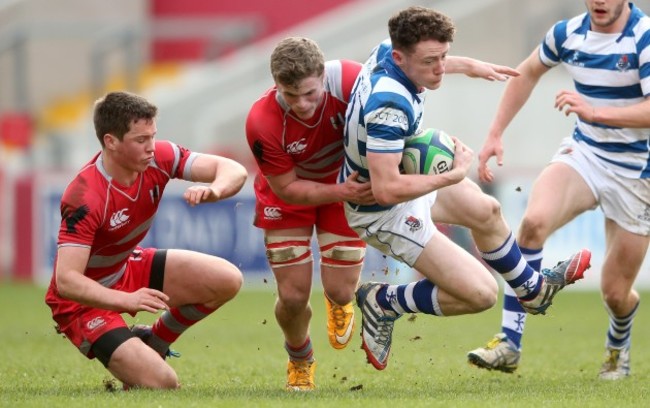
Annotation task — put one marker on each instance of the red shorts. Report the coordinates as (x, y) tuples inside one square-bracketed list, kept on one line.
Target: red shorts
[(83, 325), (272, 213)]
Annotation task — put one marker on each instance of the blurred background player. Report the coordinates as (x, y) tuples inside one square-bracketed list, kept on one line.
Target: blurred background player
[(100, 271), (385, 108), (295, 131), (604, 163)]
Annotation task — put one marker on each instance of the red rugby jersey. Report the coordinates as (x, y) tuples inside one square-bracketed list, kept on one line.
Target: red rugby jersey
[(112, 219), (314, 148)]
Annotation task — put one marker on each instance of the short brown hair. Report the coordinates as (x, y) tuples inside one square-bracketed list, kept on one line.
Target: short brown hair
[(294, 59), (116, 111), (414, 24)]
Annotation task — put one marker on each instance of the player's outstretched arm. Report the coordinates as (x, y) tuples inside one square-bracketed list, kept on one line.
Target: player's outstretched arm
[(225, 177), (474, 68)]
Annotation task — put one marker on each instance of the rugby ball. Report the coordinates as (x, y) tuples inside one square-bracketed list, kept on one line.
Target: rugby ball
[(430, 151)]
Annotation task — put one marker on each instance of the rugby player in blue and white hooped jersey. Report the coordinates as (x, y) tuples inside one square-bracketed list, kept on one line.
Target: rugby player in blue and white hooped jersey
[(606, 163), (385, 108)]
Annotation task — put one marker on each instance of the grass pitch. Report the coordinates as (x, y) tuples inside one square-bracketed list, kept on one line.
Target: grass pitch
[(236, 359)]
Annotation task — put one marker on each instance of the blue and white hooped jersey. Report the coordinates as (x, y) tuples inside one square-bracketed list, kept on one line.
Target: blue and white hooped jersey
[(607, 70), (385, 107)]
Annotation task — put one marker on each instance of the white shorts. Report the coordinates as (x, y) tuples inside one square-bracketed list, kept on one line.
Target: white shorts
[(400, 232), (625, 201)]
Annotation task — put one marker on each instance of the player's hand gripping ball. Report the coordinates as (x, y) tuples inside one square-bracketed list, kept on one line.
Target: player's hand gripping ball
[(430, 151)]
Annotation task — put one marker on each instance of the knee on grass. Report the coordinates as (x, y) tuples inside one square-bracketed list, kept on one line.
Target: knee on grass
[(160, 380)]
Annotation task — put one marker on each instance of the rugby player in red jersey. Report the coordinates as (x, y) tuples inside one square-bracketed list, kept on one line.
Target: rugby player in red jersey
[(101, 271), (295, 131)]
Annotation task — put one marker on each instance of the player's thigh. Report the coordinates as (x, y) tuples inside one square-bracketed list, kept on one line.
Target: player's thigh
[(465, 204), (340, 265), (454, 270), (291, 260), (135, 363), (558, 195), (194, 277), (341, 251)]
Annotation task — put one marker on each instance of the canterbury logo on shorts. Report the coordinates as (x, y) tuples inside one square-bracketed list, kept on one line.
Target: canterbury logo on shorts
[(272, 213), (95, 323)]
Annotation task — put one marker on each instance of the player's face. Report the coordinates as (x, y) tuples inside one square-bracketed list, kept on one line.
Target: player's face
[(608, 16), (136, 149), (425, 66), (304, 98)]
